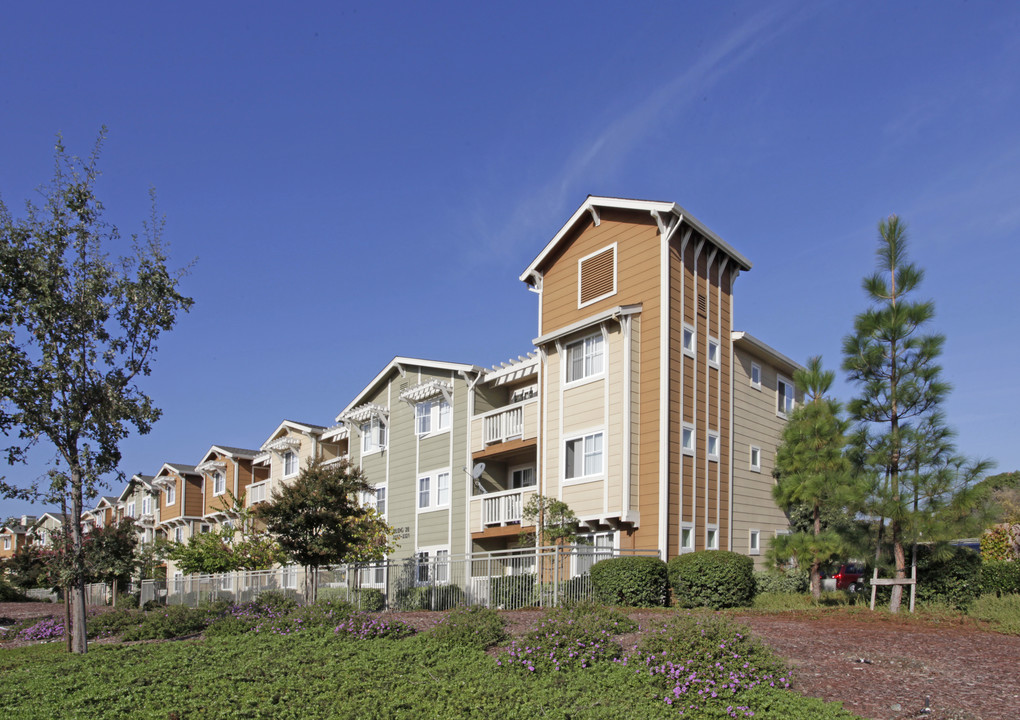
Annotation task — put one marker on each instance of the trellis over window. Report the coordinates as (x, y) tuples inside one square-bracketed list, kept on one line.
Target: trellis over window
[(217, 470), (373, 422), (433, 403)]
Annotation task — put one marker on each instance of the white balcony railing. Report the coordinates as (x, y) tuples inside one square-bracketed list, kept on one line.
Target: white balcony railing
[(258, 492), (505, 425), (502, 508)]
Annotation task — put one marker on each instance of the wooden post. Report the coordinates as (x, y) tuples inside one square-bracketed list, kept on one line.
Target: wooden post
[(874, 588)]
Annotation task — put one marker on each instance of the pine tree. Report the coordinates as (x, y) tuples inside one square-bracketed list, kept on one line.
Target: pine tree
[(901, 441), (811, 470)]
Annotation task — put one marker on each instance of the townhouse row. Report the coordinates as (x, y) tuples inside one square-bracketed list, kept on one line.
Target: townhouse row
[(638, 404)]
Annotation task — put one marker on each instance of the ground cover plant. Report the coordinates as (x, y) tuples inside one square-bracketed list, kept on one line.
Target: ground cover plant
[(370, 667)]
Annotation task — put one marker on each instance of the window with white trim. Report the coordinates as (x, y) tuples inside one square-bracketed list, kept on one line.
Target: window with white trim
[(375, 499), (373, 436), (171, 494), (687, 442), (434, 490), (290, 463), (755, 459), (596, 276), (585, 358), (754, 542), (686, 537), (146, 505), (522, 477), (756, 376), (288, 577), (7, 542), (130, 512), (713, 445), (203, 528), (179, 534), (219, 482), (431, 416), (589, 549), (688, 340), (374, 575), (583, 457), (712, 537), (713, 352), (433, 565), (785, 392)]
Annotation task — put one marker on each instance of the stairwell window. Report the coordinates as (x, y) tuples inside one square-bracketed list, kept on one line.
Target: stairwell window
[(585, 358), (596, 276), (583, 457), (713, 445), (712, 538), (688, 439), (755, 459), (756, 376), (713, 353), (688, 340), (686, 537), (754, 542)]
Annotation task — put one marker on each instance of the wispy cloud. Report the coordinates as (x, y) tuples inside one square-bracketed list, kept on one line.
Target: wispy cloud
[(601, 151)]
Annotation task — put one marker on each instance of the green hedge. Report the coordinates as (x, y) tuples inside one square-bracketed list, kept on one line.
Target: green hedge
[(712, 578), (430, 597), (1000, 577), (793, 581), (512, 592), (630, 581)]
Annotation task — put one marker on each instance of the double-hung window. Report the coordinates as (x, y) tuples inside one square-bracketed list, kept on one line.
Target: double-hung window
[(585, 358), (373, 436), (584, 457), (171, 494), (785, 392), (220, 483), (434, 490), (147, 505), (375, 499), (290, 463), (130, 512), (431, 416)]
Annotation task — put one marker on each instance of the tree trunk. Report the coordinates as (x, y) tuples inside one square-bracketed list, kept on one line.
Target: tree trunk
[(114, 603), (901, 563), (79, 640), (816, 580), (67, 615)]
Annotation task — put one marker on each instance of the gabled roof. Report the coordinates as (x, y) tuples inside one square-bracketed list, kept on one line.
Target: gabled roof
[(179, 468), (766, 351), (590, 208), (306, 428), (144, 480), (231, 452), (107, 500), (397, 364), (58, 517)]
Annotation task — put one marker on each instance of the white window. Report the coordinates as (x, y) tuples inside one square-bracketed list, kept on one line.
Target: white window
[(590, 548), (756, 376), (130, 509), (219, 482), (688, 439), (171, 494), (434, 490), (373, 436), (522, 477), (179, 534), (147, 505), (785, 392), (227, 581), (712, 538), (288, 577), (380, 500), (7, 542), (584, 457), (433, 565), (585, 358), (713, 445), (713, 352), (686, 537), (431, 416), (203, 528), (754, 542), (290, 463), (688, 340), (374, 575), (755, 459)]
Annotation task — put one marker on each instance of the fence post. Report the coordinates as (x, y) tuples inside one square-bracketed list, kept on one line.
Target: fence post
[(556, 577)]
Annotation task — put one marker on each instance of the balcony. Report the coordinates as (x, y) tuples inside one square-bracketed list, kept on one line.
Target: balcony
[(258, 492), (514, 424), (499, 509)]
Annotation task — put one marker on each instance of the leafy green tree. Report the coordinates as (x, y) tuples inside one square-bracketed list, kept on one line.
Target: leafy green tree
[(811, 470), (152, 558), (919, 486), (318, 519), (553, 519), (78, 331), (111, 553), (205, 553), (26, 568)]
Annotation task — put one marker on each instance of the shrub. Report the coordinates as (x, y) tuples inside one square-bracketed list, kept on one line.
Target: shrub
[(369, 600), (712, 578), (572, 637), (950, 578), (276, 600), (430, 597), (170, 622), (592, 618), (793, 580), (1000, 577), (512, 592), (128, 600), (9, 593), (364, 626), (114, 622), (474, 626), (1003, 612), (630, 581), (230, 625)]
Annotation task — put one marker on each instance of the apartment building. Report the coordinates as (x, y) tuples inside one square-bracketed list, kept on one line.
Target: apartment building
[(139, 501), (227, 473), (181, 501), (16, 535)]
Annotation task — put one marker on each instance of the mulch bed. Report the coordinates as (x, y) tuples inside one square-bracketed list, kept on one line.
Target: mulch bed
[(878, 666)]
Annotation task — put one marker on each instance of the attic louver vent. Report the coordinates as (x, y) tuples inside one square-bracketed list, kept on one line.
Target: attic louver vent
[(597, 276), (702, 305), (403, 385)]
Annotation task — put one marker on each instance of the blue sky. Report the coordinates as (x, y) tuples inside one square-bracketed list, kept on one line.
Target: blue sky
[(359, 181)]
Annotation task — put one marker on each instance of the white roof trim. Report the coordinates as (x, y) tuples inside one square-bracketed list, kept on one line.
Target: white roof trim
[(610, 314), (517, 369), (588, 207), (364, 412), (281, 444), (337, 432), (766, 350), (398, 362), (425, 390), (262, 458), (211, 466)]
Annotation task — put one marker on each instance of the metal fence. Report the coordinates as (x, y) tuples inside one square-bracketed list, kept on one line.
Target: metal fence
[(507, 579)]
